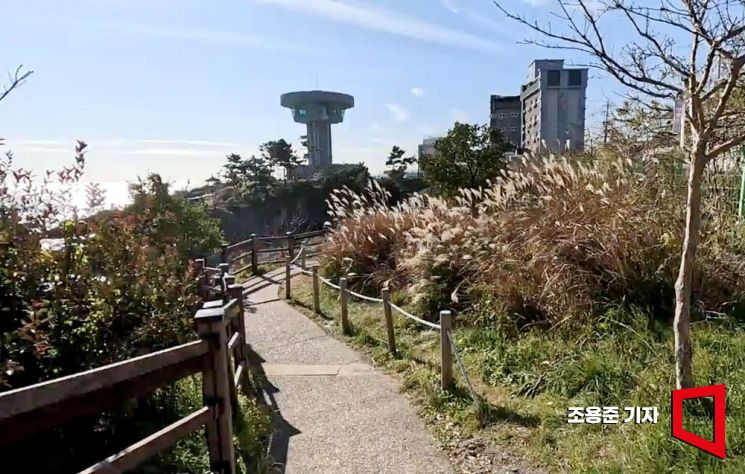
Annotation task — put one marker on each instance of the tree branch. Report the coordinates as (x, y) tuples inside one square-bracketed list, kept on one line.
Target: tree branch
[(16, 80)]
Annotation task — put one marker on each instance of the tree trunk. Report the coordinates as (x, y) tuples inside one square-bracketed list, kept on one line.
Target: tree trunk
[(682, 322)]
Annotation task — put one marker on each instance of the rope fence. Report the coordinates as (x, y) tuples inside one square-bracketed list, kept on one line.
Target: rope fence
[(405, 313), (447, 344), (461, 367), (329, 283), (365, 297), (297, 249)]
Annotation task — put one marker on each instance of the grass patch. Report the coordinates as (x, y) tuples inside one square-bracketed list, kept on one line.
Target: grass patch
[(527, 380), (251, 430)]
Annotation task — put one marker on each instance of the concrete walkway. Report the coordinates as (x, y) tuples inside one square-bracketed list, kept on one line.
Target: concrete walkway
[(334, 413)]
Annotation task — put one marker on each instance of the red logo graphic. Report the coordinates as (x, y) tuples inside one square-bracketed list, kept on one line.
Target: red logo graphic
[(716, 447)]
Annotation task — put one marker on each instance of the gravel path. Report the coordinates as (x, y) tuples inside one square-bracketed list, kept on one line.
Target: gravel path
[(334, 413)]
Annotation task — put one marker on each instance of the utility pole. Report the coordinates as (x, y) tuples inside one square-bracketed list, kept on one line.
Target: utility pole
[(605, 123), (741, 202)]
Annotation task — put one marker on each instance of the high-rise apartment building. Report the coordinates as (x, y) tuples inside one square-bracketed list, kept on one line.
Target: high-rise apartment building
[(428, 146), (505, 117), (553, 107)]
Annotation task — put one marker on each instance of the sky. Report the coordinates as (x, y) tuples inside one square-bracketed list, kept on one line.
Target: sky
[(172, 86)]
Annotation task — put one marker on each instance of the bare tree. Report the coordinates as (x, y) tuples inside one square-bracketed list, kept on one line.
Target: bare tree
[(15, 80), (676, 49)]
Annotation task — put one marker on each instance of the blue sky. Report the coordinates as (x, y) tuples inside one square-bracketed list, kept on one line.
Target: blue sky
[(171, 86)]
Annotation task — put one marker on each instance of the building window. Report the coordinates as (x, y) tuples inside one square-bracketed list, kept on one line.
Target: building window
[(554, 78), (502, 115), (575, 78), (515, 114), (513, 129), (503, 129)]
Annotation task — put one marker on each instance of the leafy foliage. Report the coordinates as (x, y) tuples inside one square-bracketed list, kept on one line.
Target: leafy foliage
[(113, 286), (252, 177), (397, 163), (467, 157), (280, 153)]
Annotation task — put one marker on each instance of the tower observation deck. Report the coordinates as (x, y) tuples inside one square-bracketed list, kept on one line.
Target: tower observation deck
[(318, 110)]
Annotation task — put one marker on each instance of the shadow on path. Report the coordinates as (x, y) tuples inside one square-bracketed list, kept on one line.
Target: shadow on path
[(282, 430)]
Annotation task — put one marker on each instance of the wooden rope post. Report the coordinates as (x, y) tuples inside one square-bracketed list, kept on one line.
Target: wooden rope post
[(290, 245), (288, 278), (216, 390), (254, 254), (302, 258), (446, 356), (241, 353), (343, 297), (316, 291), (224, 253), (385, 294)]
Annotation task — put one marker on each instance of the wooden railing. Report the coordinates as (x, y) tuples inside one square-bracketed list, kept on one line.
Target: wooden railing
[(250, 253), (219, 355)]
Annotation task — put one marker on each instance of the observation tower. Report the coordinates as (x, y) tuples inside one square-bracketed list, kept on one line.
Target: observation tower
[(318, 110)]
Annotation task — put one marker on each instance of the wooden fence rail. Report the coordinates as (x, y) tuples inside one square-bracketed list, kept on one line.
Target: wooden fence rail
[(237, 255), (220, 355)]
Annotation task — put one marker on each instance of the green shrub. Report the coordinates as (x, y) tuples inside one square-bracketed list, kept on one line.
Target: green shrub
[(119, 285)]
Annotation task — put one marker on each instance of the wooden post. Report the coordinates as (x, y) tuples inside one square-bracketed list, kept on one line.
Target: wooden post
[(241, 353), (224, 253), (316, 291), (290, 245), (302, 258), (228, 281), (254, 254), (385, 294), (343, 297), (216, 390), (446, 357), (288, 278), (223, 289), (199, 265)]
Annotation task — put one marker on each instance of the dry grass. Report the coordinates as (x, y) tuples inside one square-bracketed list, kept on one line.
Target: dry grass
[(546, 242)]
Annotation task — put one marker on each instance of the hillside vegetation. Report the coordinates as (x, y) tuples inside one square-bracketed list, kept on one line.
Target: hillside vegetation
[(561, 274), (118, 285)]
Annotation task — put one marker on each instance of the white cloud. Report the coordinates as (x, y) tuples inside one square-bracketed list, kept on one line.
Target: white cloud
[(449, 5), (376, 140), (387, 21), (398, 112), (168, 152), (206, 143), (375, 126), (536, 3), (459, 115), (418, 91), (199, 35), (41, 142), (45, 149)]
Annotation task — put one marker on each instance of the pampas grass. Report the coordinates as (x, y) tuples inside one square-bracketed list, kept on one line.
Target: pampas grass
[(547, 241)]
